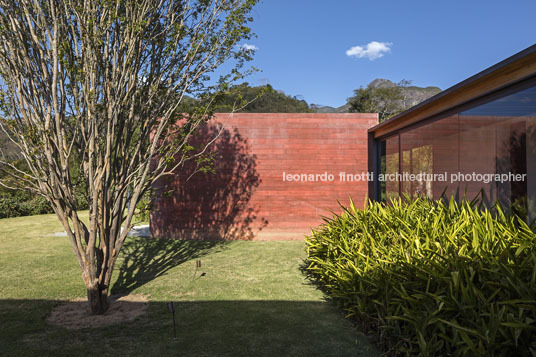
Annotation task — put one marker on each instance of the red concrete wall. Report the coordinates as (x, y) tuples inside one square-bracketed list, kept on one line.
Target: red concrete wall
[(247, 197)]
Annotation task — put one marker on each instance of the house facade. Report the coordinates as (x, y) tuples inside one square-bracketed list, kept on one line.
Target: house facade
[(276, 175), (475, 138)]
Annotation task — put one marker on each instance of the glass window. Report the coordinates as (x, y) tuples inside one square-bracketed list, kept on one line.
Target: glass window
[(389, 185), (499, 138), (495, 138), (429, 156)]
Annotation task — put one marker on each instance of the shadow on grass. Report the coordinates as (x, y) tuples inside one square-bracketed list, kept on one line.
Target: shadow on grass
[(314, 280), (145, 259), (205, 328)]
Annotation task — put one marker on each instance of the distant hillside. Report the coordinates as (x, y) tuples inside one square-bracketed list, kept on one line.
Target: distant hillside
[(412, 95), (327, 109), (261, 99)]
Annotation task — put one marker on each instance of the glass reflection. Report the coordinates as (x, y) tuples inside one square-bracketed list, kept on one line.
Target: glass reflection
[(498, 137)]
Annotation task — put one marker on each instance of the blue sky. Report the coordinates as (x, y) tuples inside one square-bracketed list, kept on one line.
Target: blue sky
[(302, 45)]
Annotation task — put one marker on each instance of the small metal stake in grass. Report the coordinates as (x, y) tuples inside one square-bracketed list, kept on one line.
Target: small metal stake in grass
[(172, 310), (197, 266)]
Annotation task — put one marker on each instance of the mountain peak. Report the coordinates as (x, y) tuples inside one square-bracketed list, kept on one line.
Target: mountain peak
[(380, 83)]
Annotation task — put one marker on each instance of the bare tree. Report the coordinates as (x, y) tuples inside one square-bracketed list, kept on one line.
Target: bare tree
[(98, 83)]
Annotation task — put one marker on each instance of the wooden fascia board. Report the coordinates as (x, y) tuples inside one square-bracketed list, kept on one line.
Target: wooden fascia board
[(473, 88)]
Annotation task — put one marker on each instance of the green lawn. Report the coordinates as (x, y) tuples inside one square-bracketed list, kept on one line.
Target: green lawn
[(252, 301)]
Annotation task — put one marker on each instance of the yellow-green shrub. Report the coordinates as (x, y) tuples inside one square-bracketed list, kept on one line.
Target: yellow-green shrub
[(432, 277)]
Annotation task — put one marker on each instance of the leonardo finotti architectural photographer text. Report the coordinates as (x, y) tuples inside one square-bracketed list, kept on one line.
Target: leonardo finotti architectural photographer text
[(405, 176)]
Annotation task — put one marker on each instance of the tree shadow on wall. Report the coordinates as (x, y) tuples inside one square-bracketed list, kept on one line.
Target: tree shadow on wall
[(145, 259), (210, 205)]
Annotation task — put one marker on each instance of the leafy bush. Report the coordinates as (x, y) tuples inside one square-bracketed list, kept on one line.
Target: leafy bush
[(23, 205), (15, 203), (143, 209), (432, 277), (10, 207), (81, 200), (20, 203)]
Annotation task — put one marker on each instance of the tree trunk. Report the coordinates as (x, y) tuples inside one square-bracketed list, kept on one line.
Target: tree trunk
[(97, 297)]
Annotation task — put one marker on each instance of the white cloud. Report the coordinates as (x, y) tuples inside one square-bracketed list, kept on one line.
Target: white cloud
[(372, 50), (249, 47)]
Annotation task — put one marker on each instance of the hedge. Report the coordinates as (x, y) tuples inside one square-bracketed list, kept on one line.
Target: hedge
[(432, 277)]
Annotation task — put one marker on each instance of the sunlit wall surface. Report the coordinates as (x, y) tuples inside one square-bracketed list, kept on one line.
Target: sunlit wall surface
[(497, 136)]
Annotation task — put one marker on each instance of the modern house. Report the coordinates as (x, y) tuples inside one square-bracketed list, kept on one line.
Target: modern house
[(478, 136), (277, 174)]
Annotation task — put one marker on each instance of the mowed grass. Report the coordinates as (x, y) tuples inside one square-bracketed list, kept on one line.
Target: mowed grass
[(247, 299)]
